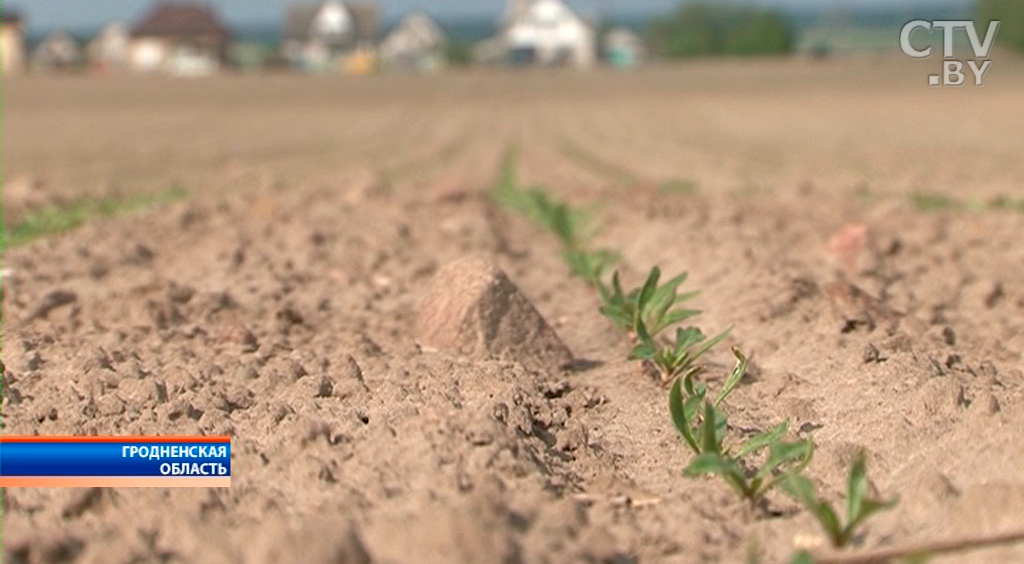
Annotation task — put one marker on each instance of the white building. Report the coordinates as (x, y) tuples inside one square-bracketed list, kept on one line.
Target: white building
[(417, 43), (58, 51), (320, 36), (547, 32), (110, 49)]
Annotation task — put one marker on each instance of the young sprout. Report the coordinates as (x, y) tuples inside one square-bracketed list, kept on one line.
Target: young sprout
[(556, 217), (618, 306), (590, 265), (655, 305), (651, 304), (675, 359), (783, 457), (705, 433), (859, 505)]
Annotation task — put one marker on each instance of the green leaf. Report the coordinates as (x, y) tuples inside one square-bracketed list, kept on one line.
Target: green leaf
[(801, 489), (617, 307), (661, 300), (709, 430), (669, 289), (721, 422), (686, 296), (858, 506), (677, 316), (642, 334), (619, 296), (687, 338), (643, 351), (781, 454), (692, 407), (704, 347), (688, 373), (802, 557), (692, 389), (868, 507), (728, 468), (857, 487), (647, 291), (735, 376), (679, 417), (711, 463), (762, 440)]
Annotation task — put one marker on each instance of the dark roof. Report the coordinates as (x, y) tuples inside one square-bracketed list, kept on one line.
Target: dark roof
[(10, 17), (180, 19), (299, 21)]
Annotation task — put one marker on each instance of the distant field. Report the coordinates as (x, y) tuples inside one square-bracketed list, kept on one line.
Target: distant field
[(250, 256), (724, 124)]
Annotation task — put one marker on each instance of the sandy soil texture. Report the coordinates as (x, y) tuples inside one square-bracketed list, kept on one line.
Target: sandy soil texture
[(279, 303)]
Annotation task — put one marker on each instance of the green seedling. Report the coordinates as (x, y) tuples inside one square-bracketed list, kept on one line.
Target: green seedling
[(1006, 203), (618, 306), (929, 201), (752, 485), (651, 304), (565, 222), (573, 227), (507, 185), (701, 434), (703, 425), (679, 186), (655, 305), (675, 359), (61, 219), (590, 265), (859, 505)]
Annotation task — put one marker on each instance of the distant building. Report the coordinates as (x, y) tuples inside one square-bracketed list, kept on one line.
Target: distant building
[(330, 36), (416, 43), (623, 48), (179, 38), (12, 43), (544, 32), (57, 52), (109, 51)]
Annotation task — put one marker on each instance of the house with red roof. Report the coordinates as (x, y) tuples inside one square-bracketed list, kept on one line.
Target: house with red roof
[(184, 39)]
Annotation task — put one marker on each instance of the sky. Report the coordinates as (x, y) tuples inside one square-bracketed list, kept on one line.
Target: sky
[(85, 14)]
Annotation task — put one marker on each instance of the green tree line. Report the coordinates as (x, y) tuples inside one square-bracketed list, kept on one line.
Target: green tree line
[(1010, 14), (700, 28)]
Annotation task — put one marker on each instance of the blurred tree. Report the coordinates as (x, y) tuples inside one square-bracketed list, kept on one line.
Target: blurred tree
[(458, 53), (1010, 14), (762, 32), (700, 28), (686, 33)]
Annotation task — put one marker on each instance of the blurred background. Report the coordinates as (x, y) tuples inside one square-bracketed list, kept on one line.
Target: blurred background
[(197, 38), (112, 105)]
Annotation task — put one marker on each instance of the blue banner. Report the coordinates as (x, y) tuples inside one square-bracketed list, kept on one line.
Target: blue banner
[(84, 458)]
